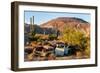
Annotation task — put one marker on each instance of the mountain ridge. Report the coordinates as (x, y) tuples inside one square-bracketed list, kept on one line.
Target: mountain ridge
[(60, 23)]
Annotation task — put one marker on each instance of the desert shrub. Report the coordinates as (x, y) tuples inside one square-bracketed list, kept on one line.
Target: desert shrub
[(52, 37), (75, 36)]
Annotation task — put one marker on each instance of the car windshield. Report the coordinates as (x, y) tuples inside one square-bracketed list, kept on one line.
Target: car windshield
[(60, 45)]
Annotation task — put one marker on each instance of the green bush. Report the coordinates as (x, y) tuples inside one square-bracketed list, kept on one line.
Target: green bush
[(75, 36), (52, 37)]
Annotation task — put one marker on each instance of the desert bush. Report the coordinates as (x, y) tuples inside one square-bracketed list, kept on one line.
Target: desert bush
[(52, 36), (75, 36)]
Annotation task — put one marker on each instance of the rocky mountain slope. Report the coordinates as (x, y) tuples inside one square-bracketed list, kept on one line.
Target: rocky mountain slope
[(60, 24)]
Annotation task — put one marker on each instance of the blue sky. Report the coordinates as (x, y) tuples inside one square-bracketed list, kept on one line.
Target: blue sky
[(42, 17)]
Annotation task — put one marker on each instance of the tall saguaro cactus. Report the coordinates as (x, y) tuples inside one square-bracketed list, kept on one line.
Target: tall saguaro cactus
[(31, 24)]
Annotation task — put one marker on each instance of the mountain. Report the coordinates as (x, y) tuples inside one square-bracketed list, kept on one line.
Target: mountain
[(61, 22)]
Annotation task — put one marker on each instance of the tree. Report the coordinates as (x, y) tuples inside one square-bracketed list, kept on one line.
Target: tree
[(74, 36)]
